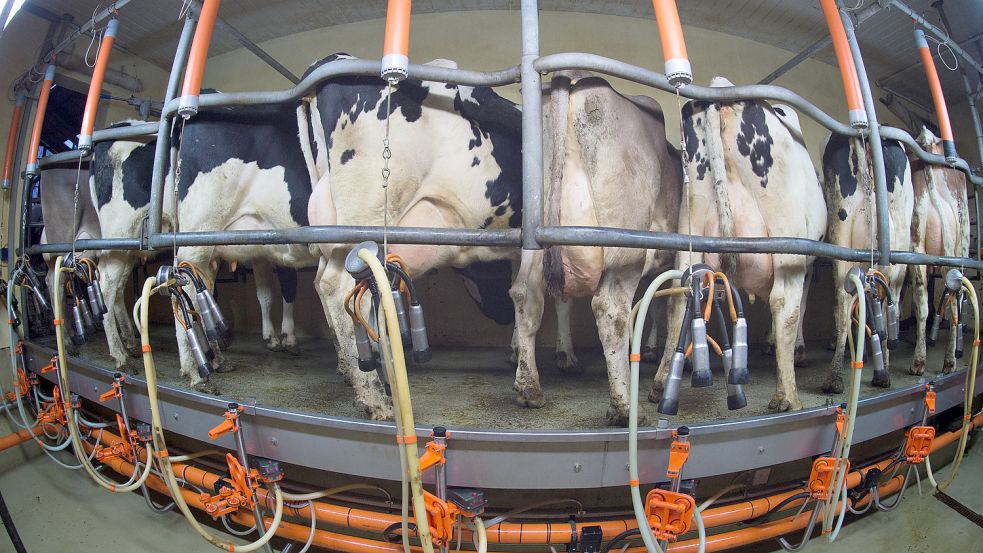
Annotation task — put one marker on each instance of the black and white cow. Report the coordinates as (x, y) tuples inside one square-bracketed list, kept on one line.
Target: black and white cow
[(939, 226), (61, 214), (240, 169), (607, 164), (851, 211), (750, 175), (456, 163)]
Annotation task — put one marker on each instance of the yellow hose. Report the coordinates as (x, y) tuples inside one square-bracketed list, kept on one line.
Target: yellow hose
[(70, 414), (404, 405), (157, 433)]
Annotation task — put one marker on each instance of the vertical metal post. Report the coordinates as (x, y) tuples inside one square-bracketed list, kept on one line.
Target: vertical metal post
[(164, 128), (440, 471), (975, 116), (876, 152), (532, 128)]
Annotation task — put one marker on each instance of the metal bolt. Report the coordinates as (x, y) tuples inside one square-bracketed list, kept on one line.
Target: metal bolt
[(627, 466), (761, 449), (175, 416), (273, 440), (95, 389), (577, 467)]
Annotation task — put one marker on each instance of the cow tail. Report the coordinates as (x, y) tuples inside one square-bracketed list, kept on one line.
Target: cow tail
[(306, 139), (718, 172), (554, 148)]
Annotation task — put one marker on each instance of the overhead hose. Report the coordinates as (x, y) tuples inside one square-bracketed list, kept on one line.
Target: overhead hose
[(404, 405), (636, 347), (70, 414), (157, 434)]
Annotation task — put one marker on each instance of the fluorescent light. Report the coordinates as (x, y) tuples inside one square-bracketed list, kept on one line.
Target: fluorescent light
[(13, 10)]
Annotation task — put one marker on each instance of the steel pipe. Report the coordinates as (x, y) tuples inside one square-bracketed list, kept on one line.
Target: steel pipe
[(532, 128), (42, 107), (86, 28), (142, 130), (95, 85), (161, 148), (255, 49), (115, 77), (8, 158), (87, 244), (874, 130)]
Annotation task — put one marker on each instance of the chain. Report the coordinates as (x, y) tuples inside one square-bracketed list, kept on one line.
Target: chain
[(75, 209), (387, 154), (869, 208), (686, 183), (177, 179)]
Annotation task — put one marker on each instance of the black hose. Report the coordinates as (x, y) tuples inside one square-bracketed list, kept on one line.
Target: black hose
[(620, 538), (684, 331), (722, 323), (8, 523), (738, 303), (390, 535), (406, 280), (785, 502)]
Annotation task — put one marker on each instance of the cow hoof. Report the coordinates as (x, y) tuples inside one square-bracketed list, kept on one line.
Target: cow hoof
[(530, 397), (272, 343), (800, 357), (71, 349), (289, 344), (128, 369), (779, 403), (650, 354), (882, 379), (225, 366), (205, 387), (917, 367), (133, 350), (655, 394), (768, 350), (375, 412), (948, 366), (617, 417), (567, 363), (833, 384), (831, 345)]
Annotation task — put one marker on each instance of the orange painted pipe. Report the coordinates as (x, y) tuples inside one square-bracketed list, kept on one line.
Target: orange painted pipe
[(19, 437), (197, 57), (95, 85), (8, 158), (35, 144), (678, 69), (848, 70), (941, 111), (396, 48)]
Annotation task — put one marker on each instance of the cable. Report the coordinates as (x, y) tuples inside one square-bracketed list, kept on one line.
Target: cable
[(8, 523)]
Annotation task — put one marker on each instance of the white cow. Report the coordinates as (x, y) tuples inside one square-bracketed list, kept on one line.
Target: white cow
[(750, 175), (940, 226)]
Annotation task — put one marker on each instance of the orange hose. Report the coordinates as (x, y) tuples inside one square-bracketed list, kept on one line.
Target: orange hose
[(848, 70), (199, 49), (19, 437), (95, 85), (397, 40), (8, 159), (941, 111), (673, 44), (42, 108)]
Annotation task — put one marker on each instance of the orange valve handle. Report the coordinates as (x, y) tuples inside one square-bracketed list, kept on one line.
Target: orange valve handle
[(230, 424), (396, 48), (669, 513), (21, 385), (52, 366), (678, 454), (432, 456), (35, 144), (196, 59), (941, 111), (844, 58), (112, 393), (821, 477), (8, 158), (678, 69), (930, 400), (95, 85)]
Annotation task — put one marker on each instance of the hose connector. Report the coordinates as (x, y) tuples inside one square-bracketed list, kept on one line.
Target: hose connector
[(367, 361), (216, 328), (960, 329), (739, 372), (404, 323), (877, 315), (848, 284), (418, 334), (669, 404), (893, 326), (877, 359), (356, 267), (79, 337), (954, 280), (702, 377), (735, 392), (202, 362)]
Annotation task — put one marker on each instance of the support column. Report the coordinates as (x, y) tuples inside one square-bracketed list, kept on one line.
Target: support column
[(532, 128)]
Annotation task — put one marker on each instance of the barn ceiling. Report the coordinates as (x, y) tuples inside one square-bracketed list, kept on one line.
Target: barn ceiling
[(152, 27)]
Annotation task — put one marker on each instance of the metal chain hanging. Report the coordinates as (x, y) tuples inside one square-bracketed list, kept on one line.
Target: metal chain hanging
[(387, 154), (869, 190), (177, 179), (686, 184)]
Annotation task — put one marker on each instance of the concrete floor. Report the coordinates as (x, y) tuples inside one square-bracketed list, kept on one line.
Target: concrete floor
[(57, 511)]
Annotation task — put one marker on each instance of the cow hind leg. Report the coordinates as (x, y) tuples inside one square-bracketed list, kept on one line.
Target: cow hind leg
[(920, 290), (841, 319), (263, 274), (115, 269), (332, 284), (528, 296), (288, 290), (677, 306), (785, 301), (612, 308), (564, 356)]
